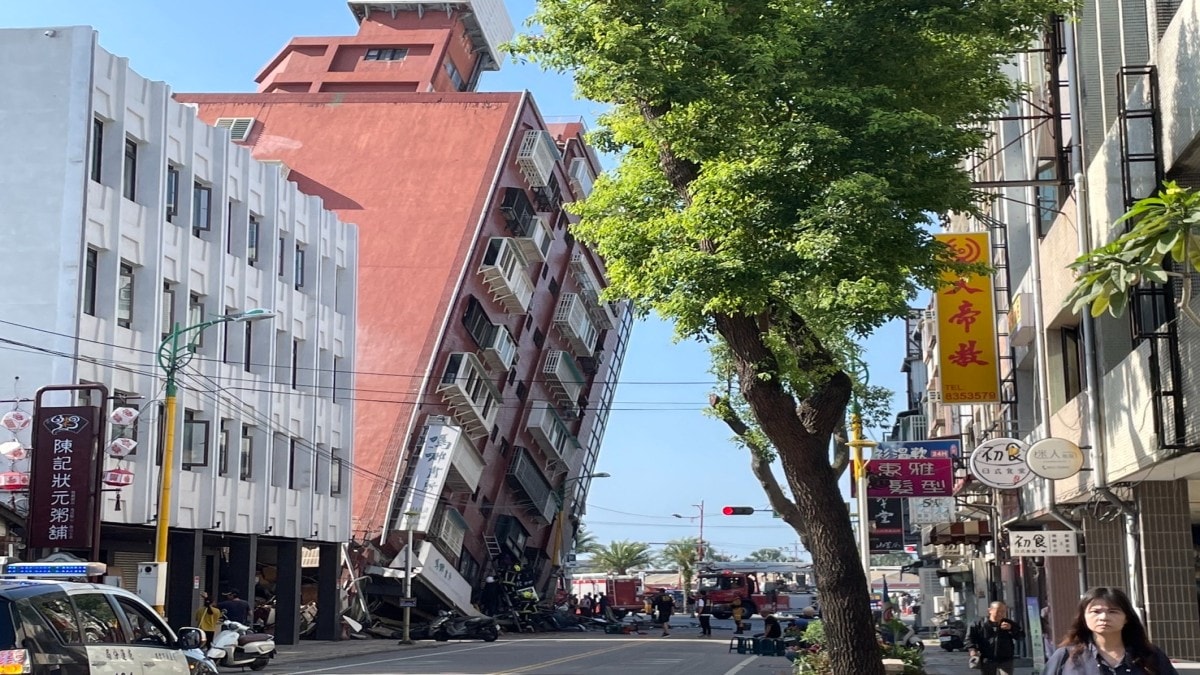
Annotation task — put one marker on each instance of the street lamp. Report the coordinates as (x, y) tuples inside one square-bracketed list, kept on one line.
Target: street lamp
[(700, 545), (173, 354), (408, 573), (560, 496)]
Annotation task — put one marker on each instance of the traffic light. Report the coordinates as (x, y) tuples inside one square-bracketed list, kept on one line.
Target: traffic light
[(738, 510)]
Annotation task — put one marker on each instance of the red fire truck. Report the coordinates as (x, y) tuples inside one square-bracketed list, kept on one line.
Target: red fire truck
[(624, 592), (725, 581)]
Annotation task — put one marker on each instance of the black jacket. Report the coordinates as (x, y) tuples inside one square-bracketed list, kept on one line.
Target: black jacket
[(1086, 663), (993, 643)]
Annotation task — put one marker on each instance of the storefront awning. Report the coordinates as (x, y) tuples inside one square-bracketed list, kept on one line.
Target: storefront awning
[(962, 532)]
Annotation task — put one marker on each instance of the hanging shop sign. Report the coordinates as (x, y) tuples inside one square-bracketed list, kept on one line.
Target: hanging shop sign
[(1054, 458), (966, 326), (1042, 543), (1000, 463), (436, 448), (63, 481), (931, 510), (933, 477), (939, 448), (887, 525)]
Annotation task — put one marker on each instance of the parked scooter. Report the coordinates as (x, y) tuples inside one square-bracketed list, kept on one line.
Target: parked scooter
[(952, 635), (236, 645), (454, 626)]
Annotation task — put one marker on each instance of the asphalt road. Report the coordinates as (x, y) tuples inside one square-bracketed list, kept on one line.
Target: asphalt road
[(561, 654)]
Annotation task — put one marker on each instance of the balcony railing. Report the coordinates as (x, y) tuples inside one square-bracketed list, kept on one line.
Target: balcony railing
[(535, 240), (551, 433), (537, 156), (604, 314), (466, 467), (524, 475), (468, 392), (572, 319), (500, 350), (581, 178), (563, 377), (506, 275)]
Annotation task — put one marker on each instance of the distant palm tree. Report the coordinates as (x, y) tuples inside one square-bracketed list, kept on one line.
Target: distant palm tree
[(767, 555), (585, 541), (682, 555), (621, 556)]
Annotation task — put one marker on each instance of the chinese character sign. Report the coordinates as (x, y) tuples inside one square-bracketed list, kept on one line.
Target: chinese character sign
[(1042, 543), (931, 510), (62, 488), (917, 449), (1000, 463), (932, 477), (966, 326), (887, 525), (434, 452)]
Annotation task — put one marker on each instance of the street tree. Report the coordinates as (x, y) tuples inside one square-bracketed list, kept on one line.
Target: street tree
[(776, 164), (767, 555), (585, 541), (683, 555), (621, 556)]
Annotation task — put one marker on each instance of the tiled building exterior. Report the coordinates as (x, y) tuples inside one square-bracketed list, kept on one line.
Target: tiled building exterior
[(487, 359)]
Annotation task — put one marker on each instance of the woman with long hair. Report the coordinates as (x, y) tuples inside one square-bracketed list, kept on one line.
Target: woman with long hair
[(1107, 637)]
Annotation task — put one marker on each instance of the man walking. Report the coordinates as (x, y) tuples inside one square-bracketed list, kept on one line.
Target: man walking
[(992, 641), (704, 613), (665, 604)]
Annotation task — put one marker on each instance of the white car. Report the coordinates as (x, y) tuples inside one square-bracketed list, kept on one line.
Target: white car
[(52, 627)]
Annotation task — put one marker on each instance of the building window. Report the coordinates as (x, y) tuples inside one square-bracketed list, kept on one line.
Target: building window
[(293, 446), (91, 261), (246, 453), (477, 323), (252, 239), (1072, 358), (125, 296), (246, 346), (172, 193), (1047, 198), (168, 309), (335, 472), (553, 285), (229, 227), (196, 316), (539, 338), (97, 149), (223, 450), (282, 256), (455, 76), (129, 181), (386, 54), (201, 208), (299, 267), (295, 363), (195, 440)]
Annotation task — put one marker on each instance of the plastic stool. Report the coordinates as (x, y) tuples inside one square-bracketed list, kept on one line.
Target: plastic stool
[(743, 645)]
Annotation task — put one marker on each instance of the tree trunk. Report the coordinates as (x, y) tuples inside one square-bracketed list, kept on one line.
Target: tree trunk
[(801, 434)]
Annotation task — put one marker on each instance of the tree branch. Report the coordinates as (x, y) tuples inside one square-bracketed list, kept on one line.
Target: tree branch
[(841, 451)]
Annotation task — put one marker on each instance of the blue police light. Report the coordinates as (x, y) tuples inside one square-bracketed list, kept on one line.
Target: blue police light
[(63, 570)]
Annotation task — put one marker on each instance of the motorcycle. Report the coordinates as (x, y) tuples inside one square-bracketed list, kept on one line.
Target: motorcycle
[(237, 645), (952, 635), (454, 626), (199, 663)]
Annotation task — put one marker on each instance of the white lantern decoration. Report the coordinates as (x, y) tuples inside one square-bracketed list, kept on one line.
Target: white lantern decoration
[(123, 416), (16, 420), (13, 450), (121, 447)]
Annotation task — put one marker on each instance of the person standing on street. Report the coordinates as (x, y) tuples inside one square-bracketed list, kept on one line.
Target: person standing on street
[(704, 614), (208, 617), (1108, 637), (665, 604), (992, 641), (738, 612), (235, 608)]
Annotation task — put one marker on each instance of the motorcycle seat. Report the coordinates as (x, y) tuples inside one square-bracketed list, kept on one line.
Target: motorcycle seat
[(247, 638)]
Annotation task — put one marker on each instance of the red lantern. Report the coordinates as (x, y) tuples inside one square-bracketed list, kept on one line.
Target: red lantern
[(12, 481), (118, 477)]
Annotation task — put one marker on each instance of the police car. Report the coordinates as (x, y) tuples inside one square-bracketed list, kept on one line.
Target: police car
[(53, 627)]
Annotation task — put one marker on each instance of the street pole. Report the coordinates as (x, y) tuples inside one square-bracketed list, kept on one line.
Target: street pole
[(857, 443), (408, 572), (700, 556)]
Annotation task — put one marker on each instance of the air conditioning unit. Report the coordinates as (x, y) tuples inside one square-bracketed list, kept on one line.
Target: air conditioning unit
[(935, 397), (239, 127), (930, 315)]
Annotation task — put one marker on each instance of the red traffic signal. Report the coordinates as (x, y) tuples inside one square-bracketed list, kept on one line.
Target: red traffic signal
[(738, 510)]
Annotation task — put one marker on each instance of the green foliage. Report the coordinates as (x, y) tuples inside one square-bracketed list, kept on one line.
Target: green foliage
[(814, 633), (767, 555), (621, 556), (585, 541), (1165, 224)]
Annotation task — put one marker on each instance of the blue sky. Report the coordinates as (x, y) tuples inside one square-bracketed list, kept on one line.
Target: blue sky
[(664, 455)]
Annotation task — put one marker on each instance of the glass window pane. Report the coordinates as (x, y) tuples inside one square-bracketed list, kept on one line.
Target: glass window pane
[(97, 620)]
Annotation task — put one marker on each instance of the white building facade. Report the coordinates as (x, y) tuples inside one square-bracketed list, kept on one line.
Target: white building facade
[(127, 216)]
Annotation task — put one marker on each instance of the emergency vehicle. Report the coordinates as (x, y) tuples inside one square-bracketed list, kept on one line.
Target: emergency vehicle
[(725, 581), (49, 626), (624, 592)]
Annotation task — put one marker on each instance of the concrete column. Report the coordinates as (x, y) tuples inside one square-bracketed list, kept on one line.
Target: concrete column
[(1105, 542), (243, 564), (327, 593), (185, 564), (287, 592), (1062, 593), (1169, 567)]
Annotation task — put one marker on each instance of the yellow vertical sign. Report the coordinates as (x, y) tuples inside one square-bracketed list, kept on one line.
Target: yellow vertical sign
[(966, 326)]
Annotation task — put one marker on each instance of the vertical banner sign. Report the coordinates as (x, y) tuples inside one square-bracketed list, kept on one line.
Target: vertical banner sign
[(435, 449), (62, 483), (966, 326), (887, 525)]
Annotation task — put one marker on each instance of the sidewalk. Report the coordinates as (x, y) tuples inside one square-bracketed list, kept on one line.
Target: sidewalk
[(941, 662), (310, 651)]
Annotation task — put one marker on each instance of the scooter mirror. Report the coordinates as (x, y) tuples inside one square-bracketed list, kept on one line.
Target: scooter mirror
[(190, 638)]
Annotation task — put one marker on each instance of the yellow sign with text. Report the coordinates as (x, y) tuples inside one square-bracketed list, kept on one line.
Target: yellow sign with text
[(966, 326)]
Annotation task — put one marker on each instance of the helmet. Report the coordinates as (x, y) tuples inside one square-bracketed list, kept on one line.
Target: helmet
[(490, 580)]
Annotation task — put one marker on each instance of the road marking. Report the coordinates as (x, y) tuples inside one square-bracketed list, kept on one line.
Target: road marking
[(743, 664), (545, 664), (391, 660)]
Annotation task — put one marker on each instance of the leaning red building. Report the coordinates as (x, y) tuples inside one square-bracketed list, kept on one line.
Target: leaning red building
[(486, 359)]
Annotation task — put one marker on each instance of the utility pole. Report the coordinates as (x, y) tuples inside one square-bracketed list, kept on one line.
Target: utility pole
[(857, 443)]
